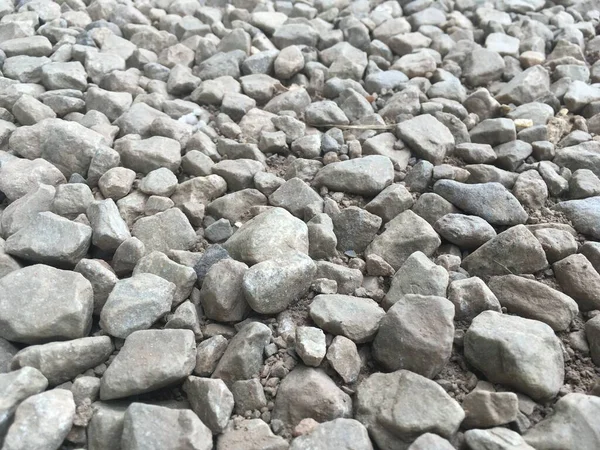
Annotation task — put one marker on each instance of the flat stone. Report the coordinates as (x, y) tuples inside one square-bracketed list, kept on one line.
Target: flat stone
[(520, 353), (527, 86), (514, 251), (63, 361), (44, 304), (398, 407), (269, 235), (490, 201), (470, 297), (404, 235), (496, 438), (427, 137), (136, 303), (271, 286), (149, 360), (353, 317), (310, 345), (155, 427), (405, 340), (309, 393), (579, 280), (339, 433), (534, 300), (169, 230), (485, 409), (469, 232), (366, 176), (583, 214), (211, 400), (146, 155)]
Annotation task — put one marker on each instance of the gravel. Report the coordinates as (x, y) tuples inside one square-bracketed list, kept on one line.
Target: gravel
[(311, 224)]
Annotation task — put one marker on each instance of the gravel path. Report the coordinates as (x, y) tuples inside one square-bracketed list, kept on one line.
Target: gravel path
[(299, 225)]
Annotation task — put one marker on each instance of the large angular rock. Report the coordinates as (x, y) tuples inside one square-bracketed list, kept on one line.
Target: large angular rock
[(404, 235), (149, 360), (295, 196), (525, 87), (342, 434), (15, 387), (520, 353), (486, 409), (309, 393), (366, 176), (152, 427), (427, 137), (105, 428), (578, 279), (136, 303), (515, 251), (252, 434), (20, 176), (109, 228), (534, 300), (500, 438), (42, 421), (469, 232), (416, 334), (355, 228), (8, 264), (398, 407), (211, 400), (169, 230), (573, 425), (269, 235), (222, 294), (40, 303), (270, 286), (183, 277), (490, 201), (244, 355), (50, 239), (583, 214), (470, 297), (585, 155), (22, 211), (62, 361), (418, 275), (150, 154), (353, 317)]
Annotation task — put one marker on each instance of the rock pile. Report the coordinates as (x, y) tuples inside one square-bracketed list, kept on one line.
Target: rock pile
[(299, 224)]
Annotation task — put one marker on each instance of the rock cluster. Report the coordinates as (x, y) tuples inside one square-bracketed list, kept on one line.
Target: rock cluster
[(299, 225)]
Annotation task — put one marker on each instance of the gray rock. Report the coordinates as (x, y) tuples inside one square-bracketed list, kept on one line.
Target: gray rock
[(155, 427), (404, 339), (222, 294), (235, 207), (105, 428), (271, 286), (322, 241), (366, 176), (490, 201), (579, 280), (346, 278), (469, 232), (169, 230), (493, 132), (71, 200), (343, 434), (22, 211), (398, 407), (404, 235), (127, 255), (296, 196), (15, 387), (7, 351), (146, 155), (527, 86), (482, 66), (310, 345), (514, 251), (418, 275), (583, 183), (208, 354), (342, 355), (432, 207), (211, 400), (269, 235), (43, 304), (309, 393), (474, 153), (252, 434), (34, 427), (471, 296), (50, 239), (244, 355), (511, 155), (108, 227), (390, 202), (501, 438), (429, 440), (249, 395), (531, 190), (520, 353), (353, 317), (62, 361), (149, 360), (181, 276), (583, 214), (136, 303), (238, 173), (571, 426), (534, 300), (355, 228), (486, 409), (427, 137), (211, 255)]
